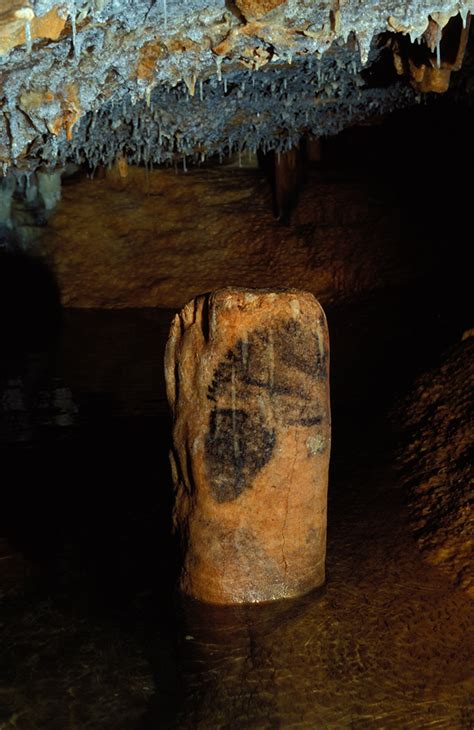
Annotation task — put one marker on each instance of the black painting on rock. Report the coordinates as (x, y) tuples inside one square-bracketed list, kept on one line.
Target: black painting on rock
[(238, 445), (264, 382)]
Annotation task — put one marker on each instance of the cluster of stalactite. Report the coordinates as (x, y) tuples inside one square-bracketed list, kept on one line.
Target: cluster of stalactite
[(158, 82), (281, 104), (429, 65)]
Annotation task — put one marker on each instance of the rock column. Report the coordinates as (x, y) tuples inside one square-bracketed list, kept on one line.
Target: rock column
[(247, 383)]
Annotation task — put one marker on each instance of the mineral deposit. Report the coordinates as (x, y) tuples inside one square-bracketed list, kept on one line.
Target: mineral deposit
[(247, 383)]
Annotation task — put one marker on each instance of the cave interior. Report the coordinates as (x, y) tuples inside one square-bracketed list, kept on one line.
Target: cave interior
[(153, 150)]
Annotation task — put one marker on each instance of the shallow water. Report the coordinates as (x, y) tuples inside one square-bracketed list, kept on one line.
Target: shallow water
[(96, 638), (384, 644)]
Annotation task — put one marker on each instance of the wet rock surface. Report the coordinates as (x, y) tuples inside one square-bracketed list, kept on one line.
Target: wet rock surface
[(247, 381), (435, 462)]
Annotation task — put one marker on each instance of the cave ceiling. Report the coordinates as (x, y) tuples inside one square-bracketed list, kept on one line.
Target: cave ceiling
[(156, 81)]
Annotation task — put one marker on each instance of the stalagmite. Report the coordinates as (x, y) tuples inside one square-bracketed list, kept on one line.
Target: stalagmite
[(247, 383)]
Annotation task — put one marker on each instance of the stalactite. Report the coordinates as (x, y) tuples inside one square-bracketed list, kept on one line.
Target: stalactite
[(464, 12), (49, 188), (7, 188), (26, 14), (31, 188), (14, 130), (275, 107), (279, 94), (29, 43), (219, 67), (72, 17)]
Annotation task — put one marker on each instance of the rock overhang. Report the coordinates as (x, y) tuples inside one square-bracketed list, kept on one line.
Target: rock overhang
[(156, 81)]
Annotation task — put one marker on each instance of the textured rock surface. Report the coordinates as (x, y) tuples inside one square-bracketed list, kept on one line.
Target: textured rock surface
[(92, 79), (247, 382), (160, 239), (437, 462)]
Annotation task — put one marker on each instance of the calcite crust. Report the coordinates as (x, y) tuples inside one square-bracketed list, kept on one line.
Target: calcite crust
[(247, 383)]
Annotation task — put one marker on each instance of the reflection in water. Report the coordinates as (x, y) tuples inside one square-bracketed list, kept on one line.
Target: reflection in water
[(384, 644)]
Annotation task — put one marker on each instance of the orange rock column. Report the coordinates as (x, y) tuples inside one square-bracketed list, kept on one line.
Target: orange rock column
[(247, 383)]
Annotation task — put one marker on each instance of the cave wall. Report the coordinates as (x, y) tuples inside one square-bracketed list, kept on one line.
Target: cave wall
[(158, 238), (435, 461)]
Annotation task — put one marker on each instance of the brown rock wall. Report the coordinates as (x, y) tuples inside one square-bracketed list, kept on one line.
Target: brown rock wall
[(158, 239), (436, 464)]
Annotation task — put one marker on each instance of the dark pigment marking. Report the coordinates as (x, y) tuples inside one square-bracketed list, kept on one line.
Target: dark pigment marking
[(294, 349), (301, 350), (238, 445), (309, 421), (239, 442)]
